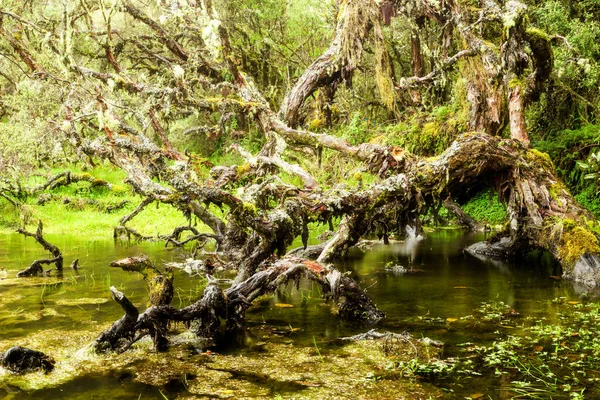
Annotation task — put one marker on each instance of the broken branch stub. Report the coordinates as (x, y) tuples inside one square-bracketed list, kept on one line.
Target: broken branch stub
[(160, 284), (122, 332)]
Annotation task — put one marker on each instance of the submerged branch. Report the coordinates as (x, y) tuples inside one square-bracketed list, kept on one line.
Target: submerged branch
[(36, 267), (230, 305)]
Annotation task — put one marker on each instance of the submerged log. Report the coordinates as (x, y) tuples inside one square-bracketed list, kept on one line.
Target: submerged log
[(21, 359), (230, 305), (36, 267)]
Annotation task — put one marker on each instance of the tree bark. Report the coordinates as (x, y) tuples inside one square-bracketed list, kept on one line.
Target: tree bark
[(516, 113), (355, 21), (462, 217), (418, 68)]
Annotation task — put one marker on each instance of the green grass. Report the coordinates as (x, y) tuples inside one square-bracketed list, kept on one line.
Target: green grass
[(85, 212)]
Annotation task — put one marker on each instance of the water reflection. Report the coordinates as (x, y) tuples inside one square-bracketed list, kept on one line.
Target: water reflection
[(440, 281)]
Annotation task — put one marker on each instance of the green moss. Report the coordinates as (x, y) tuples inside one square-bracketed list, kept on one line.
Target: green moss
[(242, 169), (120, 189), (541, 157), (555, 191), (515, 82), (575, 242), (85, 176), (569, 223), (249, 208), (594, 226), (316, 124), (537, 34), (430, 129)]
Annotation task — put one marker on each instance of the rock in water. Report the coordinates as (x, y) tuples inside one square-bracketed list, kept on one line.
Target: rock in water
[(21, 359), (499, 250)]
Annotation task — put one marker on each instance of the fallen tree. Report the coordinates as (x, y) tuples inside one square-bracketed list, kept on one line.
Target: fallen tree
[(542, 215), (229, 305), (111, 113), (253, 216)]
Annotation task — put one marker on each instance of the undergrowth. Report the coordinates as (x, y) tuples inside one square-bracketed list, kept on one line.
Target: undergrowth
[(486, 208)]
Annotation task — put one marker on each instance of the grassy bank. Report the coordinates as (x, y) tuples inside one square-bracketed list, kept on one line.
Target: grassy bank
[(85, 208)]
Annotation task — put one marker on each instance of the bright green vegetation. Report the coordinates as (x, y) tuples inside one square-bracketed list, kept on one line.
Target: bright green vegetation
[(589, 199), (539, 356), (82, 209), (577, 158), (486, 208), (84, 82)]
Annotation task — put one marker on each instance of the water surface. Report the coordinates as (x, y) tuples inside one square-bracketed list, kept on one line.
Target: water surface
[(441, 283)]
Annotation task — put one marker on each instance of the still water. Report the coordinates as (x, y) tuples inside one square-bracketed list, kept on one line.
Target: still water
[(440, 283)]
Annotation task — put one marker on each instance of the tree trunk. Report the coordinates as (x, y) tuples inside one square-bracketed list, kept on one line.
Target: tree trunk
[(338, 62), (418, 68), (516, 112)]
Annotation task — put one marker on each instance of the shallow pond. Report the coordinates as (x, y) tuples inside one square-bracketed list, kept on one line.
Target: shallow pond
[(437, 286)]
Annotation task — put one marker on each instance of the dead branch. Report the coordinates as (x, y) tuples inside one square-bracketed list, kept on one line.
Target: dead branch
[(66, 178), (36, 267), (160, 283), (462, 217), (163, 35), (230, 305)]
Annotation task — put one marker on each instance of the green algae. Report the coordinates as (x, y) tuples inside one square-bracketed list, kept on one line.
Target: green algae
[(278, 369), (33, 281), (80, 301), (286, 370), (276, 363)]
